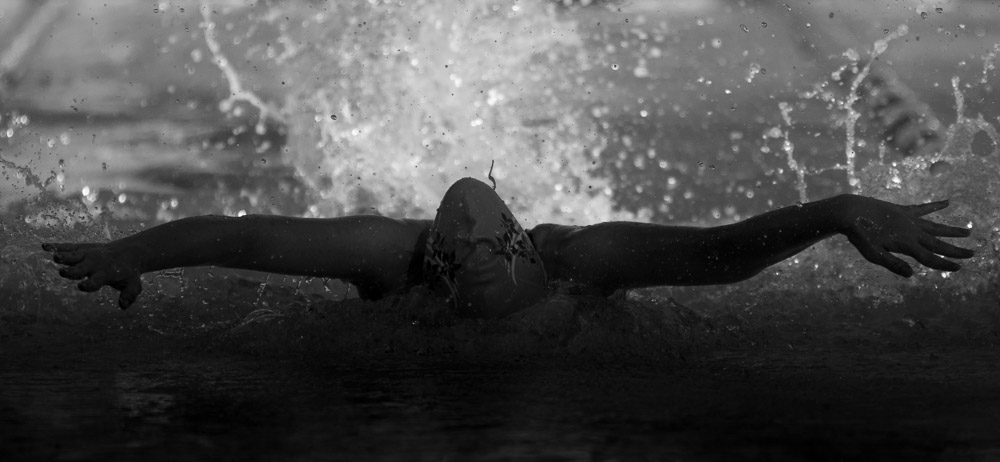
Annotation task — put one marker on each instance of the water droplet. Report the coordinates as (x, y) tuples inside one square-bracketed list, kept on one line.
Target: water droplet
[(885, 31), (744, 28), (263, 161), (614, 67), (333, 116), (763, 24), (982, 144), (939, 10), (940, 167), (104, 166), (923, 15)]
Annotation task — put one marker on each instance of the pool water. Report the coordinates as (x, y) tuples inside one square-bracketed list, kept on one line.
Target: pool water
[(705, 113), (158, 397)]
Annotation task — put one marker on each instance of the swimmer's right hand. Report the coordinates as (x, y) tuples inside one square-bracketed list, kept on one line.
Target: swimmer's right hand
[(99, 265)]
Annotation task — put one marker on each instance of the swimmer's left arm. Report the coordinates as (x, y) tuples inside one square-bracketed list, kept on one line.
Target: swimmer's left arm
[(622, 255)]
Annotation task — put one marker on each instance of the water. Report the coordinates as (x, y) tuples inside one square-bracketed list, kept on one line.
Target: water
[(203, 405), (679, 116)]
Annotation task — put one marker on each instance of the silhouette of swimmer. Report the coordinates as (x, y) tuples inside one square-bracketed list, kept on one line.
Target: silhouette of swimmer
[(476, 254)]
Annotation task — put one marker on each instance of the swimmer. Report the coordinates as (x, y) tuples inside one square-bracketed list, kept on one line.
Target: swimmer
[(476, 254)]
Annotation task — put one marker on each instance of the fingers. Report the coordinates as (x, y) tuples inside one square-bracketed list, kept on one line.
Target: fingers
[(883, 258), (129, 292), (93, 283), (67, 246), (938, 229), (930, 260), (69, 253), (943, 248), (57, 247), (924, 209), (75, 272), (68, 258), (130, 289), (93, 269)]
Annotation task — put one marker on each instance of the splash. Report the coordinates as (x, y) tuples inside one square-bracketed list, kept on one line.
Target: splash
[(955, 172), (847, 104), (789, 148), (989, 63), (403, 102), (237, 91)]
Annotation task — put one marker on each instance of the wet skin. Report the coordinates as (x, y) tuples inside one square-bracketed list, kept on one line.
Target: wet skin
[(378, 254)]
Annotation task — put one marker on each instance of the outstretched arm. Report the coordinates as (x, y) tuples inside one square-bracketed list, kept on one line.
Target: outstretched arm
[(622, 255), (374, 253)]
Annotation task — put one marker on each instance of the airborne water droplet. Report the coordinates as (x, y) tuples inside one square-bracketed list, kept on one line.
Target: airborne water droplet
[(940, 167), (744, 28)]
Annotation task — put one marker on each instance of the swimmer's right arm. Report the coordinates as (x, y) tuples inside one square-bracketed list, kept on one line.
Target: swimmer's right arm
[(369, 250)]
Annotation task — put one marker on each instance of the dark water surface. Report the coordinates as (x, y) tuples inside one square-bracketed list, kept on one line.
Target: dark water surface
[(153, 397)]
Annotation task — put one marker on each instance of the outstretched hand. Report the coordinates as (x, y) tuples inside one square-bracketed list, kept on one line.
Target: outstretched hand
[(99, 265), (878, 229)]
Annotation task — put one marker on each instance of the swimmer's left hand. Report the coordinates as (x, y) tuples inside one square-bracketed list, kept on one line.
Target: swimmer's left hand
[(878, 229)]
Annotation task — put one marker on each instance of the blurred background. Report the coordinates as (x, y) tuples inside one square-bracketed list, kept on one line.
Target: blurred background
[(693, 111)]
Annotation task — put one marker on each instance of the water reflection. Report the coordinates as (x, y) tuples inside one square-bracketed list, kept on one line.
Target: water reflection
[(121, 407)]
